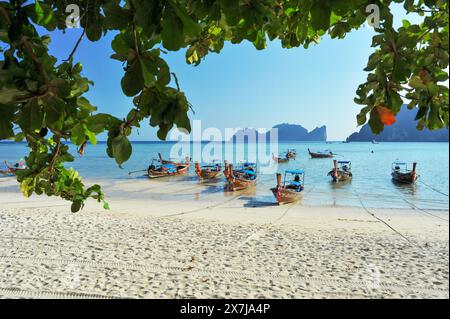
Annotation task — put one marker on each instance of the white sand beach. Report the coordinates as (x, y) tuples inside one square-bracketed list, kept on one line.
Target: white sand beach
[(188, 240)]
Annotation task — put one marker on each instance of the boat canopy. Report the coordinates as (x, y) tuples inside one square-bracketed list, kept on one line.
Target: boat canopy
[(248, 172), (248, 164), (400, 163), (344, 162), (295, 172)]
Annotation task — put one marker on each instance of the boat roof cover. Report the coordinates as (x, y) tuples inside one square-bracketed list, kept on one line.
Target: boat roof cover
[(400, 163), (295, 171), (344, 162), (248, 164), (246, 171)]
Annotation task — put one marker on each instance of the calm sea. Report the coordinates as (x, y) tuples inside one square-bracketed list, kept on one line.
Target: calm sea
[(371, 166)]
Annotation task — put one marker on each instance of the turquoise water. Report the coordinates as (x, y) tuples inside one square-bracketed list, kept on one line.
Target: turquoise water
[(371, 171)]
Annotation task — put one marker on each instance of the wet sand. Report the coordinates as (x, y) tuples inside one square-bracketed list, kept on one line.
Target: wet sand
[(182, 239)]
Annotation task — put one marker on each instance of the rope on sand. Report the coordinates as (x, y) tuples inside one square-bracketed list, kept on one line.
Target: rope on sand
[(383, 221), (432, 188), (204, 208), (423, 210)]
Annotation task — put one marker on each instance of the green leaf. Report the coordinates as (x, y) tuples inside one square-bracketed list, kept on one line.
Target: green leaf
[(121, 44), (172, 30), (434, 118), (54, 112), (417, 83), (100, 122), (40, 14), (163, 73), (78, 137), (76, 206), (84, 104), (375, 122), (231, 10), (133, 81), (163, 131), (95, 28), (31, 116), (395, 101), (8, 95), (190, 27), (320, 16), (362, 116), (61, 87), (421, 113), (6, 117), (122, 149)]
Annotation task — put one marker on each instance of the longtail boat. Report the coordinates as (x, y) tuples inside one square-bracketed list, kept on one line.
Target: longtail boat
[(342, 171), (280, 160), (161, 168), (12, 170), (328, 154), (209, 171), (401, 173), (241, 178), (187, 160), (289, 191)]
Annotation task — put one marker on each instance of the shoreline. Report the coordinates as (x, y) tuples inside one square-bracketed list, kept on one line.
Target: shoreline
[(217, 247)]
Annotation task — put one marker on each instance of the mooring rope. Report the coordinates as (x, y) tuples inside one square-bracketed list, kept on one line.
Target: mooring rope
[(383, 221), (432, 188), (423, 210)]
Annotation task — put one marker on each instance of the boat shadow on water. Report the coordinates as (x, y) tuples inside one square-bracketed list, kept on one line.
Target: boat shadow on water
[(258, 203), (406, 189)]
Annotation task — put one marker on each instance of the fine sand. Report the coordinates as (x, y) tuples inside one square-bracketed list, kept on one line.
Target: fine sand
[(183, 239)]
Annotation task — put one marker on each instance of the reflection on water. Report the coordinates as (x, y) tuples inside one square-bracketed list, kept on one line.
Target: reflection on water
[(371, 174), (406, 189)]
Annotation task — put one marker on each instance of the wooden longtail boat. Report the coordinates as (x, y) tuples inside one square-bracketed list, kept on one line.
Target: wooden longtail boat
[(342, 171), (320, 154), (187, 160), (280, 160), (402, 174), (161, 168), (12, 170), (209, 171), (241, 178), (289, 191)]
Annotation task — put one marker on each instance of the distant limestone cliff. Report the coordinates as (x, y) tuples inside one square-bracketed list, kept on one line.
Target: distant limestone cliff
[(404, 130), (289, 133)]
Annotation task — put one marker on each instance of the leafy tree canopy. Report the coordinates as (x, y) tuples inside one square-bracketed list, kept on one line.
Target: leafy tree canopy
[(42, 99)]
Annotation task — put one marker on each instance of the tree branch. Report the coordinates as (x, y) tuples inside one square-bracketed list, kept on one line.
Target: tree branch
[(76, 46), (8, 18), (85, 13), (176, 81), (55, 155), (29, 50)]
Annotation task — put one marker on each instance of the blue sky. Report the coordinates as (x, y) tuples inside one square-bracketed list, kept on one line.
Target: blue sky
[(243, 87)]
